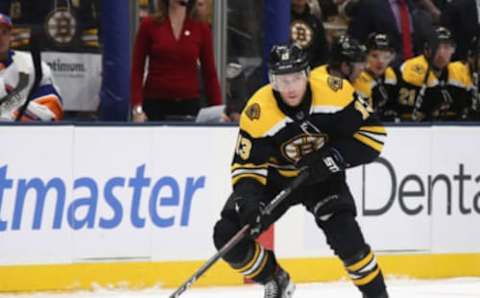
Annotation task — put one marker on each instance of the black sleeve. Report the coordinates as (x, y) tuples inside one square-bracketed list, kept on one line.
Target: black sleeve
[(352, 116), (364, 146), (462, 102)]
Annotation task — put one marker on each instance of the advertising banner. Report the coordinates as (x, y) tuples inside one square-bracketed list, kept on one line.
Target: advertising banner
[(78, 76), (87, 194)]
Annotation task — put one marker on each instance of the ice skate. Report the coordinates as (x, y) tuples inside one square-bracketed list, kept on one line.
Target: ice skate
[(280, 286)]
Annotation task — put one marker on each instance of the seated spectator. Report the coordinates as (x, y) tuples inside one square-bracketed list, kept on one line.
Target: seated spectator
[(430, 86), (407, 26), (173, 42), (17, 76), (378, 82), (307, 31)]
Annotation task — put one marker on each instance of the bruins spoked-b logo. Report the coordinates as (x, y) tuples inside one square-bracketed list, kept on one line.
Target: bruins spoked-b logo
[(253, 112), (299, 146), (302, 33), (335, 83), (61, 26)]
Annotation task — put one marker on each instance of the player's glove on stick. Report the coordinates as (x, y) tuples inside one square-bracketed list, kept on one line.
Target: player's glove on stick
[(322, 163), (250, 211)]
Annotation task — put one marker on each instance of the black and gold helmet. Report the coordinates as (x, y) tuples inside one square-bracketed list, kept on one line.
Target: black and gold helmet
[(287, 58), (441, 35), (347, 49), (379, 41)]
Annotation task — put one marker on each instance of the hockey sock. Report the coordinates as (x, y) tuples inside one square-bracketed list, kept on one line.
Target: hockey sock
[(259, 265), (365, 274)]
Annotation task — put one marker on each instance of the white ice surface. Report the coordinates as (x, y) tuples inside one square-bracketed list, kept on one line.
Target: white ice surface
[(398, 288)]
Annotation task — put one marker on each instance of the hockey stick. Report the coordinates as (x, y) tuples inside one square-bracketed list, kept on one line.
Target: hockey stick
[(280, 197), (419, 98), (37, 66)]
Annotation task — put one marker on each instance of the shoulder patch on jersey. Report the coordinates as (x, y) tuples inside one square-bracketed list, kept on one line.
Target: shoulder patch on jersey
[(335, 83), (419, 69), (414, 71), (253, 111)]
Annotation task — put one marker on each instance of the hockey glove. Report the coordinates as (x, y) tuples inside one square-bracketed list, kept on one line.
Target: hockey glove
[(322, 163), (250, 211)]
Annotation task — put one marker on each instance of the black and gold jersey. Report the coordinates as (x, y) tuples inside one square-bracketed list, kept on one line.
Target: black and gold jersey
[(273, 137), (447, 95), (381, 92)]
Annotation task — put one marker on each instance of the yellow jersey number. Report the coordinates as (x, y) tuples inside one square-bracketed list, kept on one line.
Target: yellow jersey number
[(407, 96), (243, 148), (363, 107)]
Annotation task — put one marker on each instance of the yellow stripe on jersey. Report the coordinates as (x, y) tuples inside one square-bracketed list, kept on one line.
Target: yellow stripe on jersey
[(261, 115), (249, 166), (368, 141), (258, 172), (288, 173), (374, 129), (261, 179)]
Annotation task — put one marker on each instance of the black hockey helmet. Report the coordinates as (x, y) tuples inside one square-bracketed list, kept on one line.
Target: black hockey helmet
[(347, 49), (441, 35), (379, 41), (287, 58)]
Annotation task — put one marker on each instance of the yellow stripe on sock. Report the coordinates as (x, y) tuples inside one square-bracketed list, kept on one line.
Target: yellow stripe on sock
[(260, 268), (367, 279), (252, 261), (360, 264)]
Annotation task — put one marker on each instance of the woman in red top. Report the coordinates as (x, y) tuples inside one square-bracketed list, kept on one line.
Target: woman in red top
[(174, 43)]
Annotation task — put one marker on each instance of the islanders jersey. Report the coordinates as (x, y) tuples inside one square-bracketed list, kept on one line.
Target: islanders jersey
[(17, 75), (447, 95), (273, 137), (381, 92)]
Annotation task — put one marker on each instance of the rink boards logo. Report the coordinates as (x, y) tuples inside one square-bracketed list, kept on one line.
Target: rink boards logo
[(417, 195), (31, 197)]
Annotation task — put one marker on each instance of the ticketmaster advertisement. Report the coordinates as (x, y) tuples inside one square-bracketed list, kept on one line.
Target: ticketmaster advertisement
[(94, 194)]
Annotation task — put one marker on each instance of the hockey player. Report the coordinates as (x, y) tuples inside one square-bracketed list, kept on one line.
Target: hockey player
[(16, 79), (430, 86), (294, 122), (378, 82), (347, 59)]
